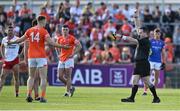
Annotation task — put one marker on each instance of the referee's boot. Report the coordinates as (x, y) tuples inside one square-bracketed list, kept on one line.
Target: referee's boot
[(156, 100), (127, 100), (29, 99)]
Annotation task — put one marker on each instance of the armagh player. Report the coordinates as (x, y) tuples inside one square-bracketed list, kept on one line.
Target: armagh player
[(11, 59), (37, 60), (66, 61), (37, 78)]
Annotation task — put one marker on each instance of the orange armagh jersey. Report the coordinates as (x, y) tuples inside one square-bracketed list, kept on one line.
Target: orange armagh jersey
[(66, 53), (36, 36)]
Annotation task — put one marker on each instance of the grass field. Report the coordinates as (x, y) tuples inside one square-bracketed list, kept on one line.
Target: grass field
[(87, 98)]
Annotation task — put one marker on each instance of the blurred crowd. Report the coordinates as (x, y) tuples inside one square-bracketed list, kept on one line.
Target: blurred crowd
[(92, 25)]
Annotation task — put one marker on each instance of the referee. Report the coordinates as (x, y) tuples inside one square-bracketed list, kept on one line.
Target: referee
[(142, 66)]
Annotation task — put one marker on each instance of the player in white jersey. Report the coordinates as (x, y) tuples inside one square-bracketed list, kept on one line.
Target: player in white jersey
[(10, 59)]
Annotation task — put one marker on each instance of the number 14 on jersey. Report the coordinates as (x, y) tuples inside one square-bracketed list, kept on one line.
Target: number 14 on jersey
[(35, 37)]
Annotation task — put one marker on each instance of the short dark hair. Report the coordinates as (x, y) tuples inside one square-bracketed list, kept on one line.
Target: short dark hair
[(40, 18), (144, 28), (34, 22), (157, 30), (65, 26)]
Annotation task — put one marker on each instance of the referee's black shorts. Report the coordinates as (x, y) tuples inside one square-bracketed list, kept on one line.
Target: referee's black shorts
[(142, 68)]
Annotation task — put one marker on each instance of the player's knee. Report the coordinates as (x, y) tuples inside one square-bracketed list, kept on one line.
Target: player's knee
[(43, 82), (61, 76), (135, 82)]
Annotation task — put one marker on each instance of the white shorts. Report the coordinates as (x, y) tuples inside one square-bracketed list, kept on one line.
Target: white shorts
[(155, 65), (37, 62), (69, 63)]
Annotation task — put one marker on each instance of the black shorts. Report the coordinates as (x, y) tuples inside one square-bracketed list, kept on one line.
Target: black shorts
[(142, 68)]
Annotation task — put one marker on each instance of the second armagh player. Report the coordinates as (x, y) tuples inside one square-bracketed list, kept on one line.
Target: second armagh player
[(37, 60), (66, 61)]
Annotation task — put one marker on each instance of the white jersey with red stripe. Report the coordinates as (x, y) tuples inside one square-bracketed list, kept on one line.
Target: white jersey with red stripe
[(11, 51)]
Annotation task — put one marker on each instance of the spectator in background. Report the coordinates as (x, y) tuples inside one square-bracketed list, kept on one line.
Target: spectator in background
[(63, 12), (24, 10), (106, 55), (84, 39), (167, 17), (126, 28), (52, 27), (176, 42), (125, 56), (96, 35), (43, 12), (156, 14), (11, 12), (76, 11), (106, 16), (88, 10), (2, 33), (114, 10), (126, 11), (86, 58), (25, 22), (108, 28), (147, 15), (101, 10), (60, 12), (95, 49), (17, 7), (169, 56), (169, 49), (71, 24), (119, 16), (3, 16), (17, 18), (50, 9), (115, 52), (67, 7), (85, 24)]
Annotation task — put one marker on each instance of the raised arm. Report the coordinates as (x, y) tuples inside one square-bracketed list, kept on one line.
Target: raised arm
[(137, 21)]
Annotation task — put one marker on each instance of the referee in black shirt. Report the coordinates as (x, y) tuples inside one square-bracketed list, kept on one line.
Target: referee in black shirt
[(142, 66)]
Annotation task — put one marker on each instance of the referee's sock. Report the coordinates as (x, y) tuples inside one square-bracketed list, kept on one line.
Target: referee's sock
[(134, 91), (153, 90)]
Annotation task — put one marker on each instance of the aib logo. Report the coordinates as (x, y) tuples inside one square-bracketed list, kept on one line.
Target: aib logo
[(118, 77)]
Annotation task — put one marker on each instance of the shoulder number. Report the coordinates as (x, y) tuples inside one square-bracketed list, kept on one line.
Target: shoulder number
[(35, 37)]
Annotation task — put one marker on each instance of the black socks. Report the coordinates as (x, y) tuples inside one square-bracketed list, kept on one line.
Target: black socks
[(134, 91)]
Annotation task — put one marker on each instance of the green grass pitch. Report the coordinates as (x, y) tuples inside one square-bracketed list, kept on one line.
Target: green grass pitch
[(90, 98)]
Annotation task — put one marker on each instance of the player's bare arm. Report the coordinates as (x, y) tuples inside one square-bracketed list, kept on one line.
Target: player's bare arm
[(2, 51), (26, 45), (78, 47), (137, 21), (19, 40), (51, 42), (122, 37)]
